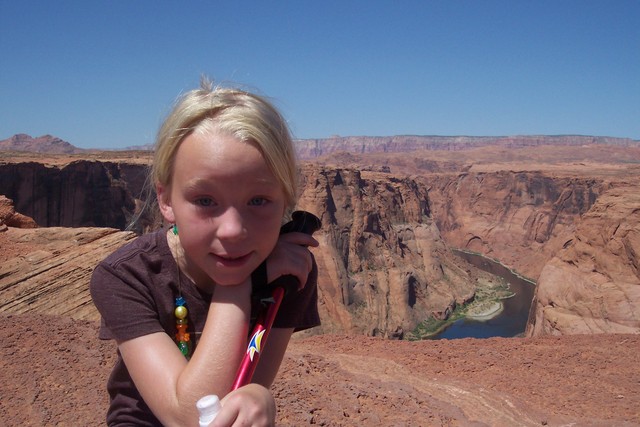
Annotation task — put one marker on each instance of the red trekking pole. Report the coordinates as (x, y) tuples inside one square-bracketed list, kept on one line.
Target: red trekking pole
[(208, 406), (303, 222)]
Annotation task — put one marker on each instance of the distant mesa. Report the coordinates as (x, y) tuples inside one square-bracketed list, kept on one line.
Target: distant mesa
[(314, 148), (145, 147), (43, 144)]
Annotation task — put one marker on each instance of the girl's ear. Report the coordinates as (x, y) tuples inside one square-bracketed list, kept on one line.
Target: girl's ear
[(164, 202)]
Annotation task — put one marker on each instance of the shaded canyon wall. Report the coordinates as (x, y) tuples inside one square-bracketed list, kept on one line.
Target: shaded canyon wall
[(80, 194)]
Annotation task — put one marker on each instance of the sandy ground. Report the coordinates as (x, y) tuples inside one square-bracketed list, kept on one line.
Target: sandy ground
[(54, 371)]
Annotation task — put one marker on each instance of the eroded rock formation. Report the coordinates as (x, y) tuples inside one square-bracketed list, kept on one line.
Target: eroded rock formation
[(351, 380), (519, 201), (592, 285), (47, 270), (385, 267), (520, 218), (42, 144), (10, 218)]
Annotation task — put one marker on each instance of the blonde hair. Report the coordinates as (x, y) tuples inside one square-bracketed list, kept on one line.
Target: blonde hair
[(243, 115)]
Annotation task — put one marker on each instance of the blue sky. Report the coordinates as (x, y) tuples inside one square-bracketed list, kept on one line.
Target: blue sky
[(103, 74)]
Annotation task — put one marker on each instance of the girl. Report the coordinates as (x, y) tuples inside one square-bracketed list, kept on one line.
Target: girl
[(225, 177)]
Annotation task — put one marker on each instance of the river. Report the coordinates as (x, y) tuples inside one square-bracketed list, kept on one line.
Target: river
[(511, 322)]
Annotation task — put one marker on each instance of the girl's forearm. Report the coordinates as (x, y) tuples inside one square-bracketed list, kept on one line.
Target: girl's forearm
[(215, 360)]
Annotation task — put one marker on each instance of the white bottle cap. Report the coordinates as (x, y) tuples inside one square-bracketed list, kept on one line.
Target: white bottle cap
[(208, 407)]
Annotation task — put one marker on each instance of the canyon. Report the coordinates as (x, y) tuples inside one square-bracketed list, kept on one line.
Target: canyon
[(562, 211), (390, 220)]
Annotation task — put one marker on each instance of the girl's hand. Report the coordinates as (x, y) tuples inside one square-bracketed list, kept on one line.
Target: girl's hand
[(291, 257), (251, 405)]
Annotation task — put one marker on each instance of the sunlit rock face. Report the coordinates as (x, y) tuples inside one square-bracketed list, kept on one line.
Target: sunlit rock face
[(592, 285), (384, 267)]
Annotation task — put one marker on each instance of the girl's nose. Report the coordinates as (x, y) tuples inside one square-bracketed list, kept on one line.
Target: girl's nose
[(231, 225)]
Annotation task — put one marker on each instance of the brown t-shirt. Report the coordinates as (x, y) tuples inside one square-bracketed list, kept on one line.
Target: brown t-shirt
[(135, 289)]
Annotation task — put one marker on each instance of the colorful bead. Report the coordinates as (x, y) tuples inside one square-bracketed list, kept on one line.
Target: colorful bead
[(184, 348), (180, 312), (182, 334)]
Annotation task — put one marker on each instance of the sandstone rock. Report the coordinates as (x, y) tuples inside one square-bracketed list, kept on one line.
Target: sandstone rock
[(47, 270), (592, 285), (383, 266), (349, 380), (381, 257), (55, 372), (10, 218), (374, 260)]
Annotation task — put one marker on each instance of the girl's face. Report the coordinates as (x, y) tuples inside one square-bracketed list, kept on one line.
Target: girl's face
[(227, 205)]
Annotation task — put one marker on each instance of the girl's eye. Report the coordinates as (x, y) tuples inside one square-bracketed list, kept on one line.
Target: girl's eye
[(257, 201), (204, 202)]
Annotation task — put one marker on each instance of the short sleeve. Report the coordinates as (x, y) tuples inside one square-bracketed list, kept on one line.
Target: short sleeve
[(124, 301)]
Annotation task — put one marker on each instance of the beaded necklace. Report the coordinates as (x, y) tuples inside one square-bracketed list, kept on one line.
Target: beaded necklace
[(182, 336)]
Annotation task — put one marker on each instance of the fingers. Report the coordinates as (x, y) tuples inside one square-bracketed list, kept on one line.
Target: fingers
[(291, 256), (291, 259), (251, 405), (299, 239), (302, 268)]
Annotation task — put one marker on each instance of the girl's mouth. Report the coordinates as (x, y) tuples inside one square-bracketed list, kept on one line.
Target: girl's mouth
[(231, 261)]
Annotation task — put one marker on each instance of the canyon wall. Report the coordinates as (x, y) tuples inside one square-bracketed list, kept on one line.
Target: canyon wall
[(384, 266), (519, 218), (577, 238), (79, 194), (592, 285)]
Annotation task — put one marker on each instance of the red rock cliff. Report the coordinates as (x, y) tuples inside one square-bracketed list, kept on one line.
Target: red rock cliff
[(384, 266)]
